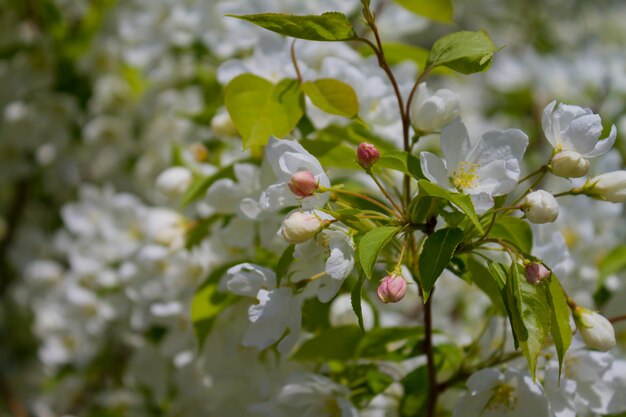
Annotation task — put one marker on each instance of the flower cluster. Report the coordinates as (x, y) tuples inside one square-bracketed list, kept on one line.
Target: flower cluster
[(202, 217)]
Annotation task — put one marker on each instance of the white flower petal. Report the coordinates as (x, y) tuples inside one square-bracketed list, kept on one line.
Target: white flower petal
[(455, 144), (604, 145), (582, 133), (247, 279), (434, 168)]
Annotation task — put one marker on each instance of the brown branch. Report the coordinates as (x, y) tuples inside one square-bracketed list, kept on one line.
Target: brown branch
[(13, 218)]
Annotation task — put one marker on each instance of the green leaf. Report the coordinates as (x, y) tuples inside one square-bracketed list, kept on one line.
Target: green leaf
[(422, 208), (199, 231), (465, 52), (372, 243), (207, 303), (515, 231), (439, 10), (331, 26), (335, 343), (395, 53), (560, 328), (484, 278), (614, 262), (354, 133), (331, 153), (333, 96), (416, 389), (260, 109), (531, 315), (355, 300), (378, 343), (200, 186), (284, 263), (401, 161), (436, 255), (367, 382), (462, 201)]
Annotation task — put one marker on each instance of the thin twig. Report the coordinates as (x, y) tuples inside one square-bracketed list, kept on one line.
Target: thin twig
[(433, 387), (295, 61), (367, 198), (617, 319), (382, 189)]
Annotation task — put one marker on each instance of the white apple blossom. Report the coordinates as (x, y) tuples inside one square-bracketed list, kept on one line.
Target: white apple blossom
[(300, 226), (174, 181), (481, 168), (278, 310), (287, 157), (610, 186), (595, 329), (540, 207), (591, 383), (492, 393), (309, 395), (574, 130), (430, 112)]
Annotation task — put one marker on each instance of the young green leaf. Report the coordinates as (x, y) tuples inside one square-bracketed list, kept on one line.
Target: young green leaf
[(200, 186), (436, 255), (372, 243), (531, 315), (484, 278), (260, 109), (335, 343), (331, 153), (379, 342), (438, 10), (401, 161), (355, 300), (333, 96), (422, 208), (465, 52), (514, 231), (560, 328), (284, 263), (207, 303), (462, 201), (200, 229), (331, 26)]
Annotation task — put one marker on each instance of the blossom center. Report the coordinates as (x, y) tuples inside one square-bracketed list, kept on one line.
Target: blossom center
[(465, 176), (503, 398)]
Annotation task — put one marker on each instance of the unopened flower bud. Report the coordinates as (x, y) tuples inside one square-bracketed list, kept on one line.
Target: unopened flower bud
[(430, 112), (166, 227), (174, 181), (392, 288), (610, 187), (303, 184), (367, 154), (299, 227), (536, 272), (595, 329), (540, 207), (222, 125), (199, 151), (569, 164)]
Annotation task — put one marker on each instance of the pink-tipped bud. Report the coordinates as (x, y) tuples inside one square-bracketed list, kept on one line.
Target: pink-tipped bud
[(536, 272), (392, 288), (303, 184), (367, 155)]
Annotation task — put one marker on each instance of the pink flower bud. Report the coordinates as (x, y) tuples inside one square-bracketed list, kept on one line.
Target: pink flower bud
[(303, 184), (367, 154), (392, 288), (536, 272)]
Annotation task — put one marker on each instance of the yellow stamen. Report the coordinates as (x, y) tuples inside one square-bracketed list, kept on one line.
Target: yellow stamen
[(466, 176)]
